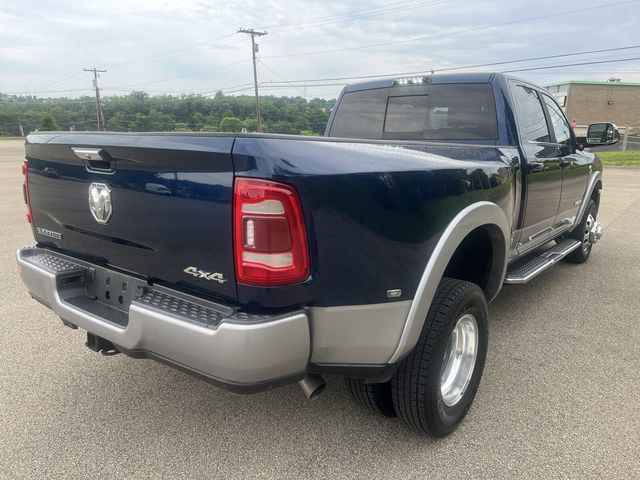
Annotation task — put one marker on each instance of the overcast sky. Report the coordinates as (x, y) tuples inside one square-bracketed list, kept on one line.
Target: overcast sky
[(191, 46)]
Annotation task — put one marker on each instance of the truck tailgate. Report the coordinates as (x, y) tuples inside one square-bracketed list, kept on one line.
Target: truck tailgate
[(170, 204)]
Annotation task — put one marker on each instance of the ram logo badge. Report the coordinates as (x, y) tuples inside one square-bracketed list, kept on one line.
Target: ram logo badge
[(217, 277), (100, 202)]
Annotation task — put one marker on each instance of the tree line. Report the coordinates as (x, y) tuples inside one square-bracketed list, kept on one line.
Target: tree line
[(140, 112)]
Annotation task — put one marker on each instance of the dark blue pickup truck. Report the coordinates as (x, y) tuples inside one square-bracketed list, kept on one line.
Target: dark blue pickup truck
[(257, 260)]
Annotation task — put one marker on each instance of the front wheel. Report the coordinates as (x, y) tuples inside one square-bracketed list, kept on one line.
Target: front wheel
[(583, 233), (436, 383)]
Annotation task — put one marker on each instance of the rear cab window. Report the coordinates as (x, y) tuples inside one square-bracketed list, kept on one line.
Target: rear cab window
[(360, 114), (445, 112)]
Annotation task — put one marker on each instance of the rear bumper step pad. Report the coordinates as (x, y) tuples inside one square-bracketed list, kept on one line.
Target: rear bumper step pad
[(242, 351)]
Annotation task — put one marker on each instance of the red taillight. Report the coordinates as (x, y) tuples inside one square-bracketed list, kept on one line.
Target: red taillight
[(25, 189), (269, 234)]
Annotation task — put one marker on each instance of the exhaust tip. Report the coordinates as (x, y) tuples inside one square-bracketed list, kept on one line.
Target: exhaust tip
[(313, 385)]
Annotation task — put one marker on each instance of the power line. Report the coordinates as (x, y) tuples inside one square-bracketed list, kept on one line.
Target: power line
[(240, 90), (68, 90), (181, 50), (58, 80), (478, 65), (181, 54), (216, 90), (311, 20), (591, 73), (145, 59), (253, 33), (358, 17), (546, 57), (571, 65), (269, 86), (281, 77), (208, 70), (192, 91), (504, 71), (448, 34)]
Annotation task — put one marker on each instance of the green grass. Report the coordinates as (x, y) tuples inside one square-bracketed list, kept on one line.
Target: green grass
[(619, 159)]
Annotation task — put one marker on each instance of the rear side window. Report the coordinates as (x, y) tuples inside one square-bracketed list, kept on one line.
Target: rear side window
[(360, 114), (531, 121), (434, 112)]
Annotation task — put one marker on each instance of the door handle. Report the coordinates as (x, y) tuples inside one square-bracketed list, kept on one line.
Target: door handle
[(536, 167), (95, 159), (565, 162)]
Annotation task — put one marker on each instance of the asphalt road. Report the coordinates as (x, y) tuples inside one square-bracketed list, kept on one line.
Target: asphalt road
[(559, 398)]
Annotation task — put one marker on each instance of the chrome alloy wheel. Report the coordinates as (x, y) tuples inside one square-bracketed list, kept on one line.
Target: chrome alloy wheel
[(459, 360), (586, 236), (596, 232)]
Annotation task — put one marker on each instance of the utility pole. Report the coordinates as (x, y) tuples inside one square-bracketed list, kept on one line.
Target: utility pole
[(98, 104), (254, 49)]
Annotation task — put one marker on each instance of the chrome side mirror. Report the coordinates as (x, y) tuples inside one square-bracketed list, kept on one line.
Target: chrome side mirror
[(602, 134)]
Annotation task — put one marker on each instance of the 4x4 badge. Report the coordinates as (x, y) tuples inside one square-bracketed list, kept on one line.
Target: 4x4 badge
[(217, 277)]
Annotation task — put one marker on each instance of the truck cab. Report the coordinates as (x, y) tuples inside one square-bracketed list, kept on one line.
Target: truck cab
[(551, 169)]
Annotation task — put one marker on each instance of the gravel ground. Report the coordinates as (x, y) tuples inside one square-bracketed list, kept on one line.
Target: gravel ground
[(559, 397)]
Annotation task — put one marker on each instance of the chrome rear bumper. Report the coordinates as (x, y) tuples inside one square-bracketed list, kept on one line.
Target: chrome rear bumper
[(240, 351)]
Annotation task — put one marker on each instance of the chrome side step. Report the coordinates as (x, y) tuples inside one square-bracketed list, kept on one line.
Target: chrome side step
[(538, 264)]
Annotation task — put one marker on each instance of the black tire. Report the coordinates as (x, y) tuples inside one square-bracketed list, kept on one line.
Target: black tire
[(581, 233), (415, 387), (373, 396)]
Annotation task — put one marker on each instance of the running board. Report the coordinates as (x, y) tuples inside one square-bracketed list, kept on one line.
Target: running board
[(538, 264)]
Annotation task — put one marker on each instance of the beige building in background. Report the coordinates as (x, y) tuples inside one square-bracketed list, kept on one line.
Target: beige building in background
[(587, 102)]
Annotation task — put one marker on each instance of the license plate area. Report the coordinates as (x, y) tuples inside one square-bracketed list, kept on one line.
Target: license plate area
[(101, 292), (108, 295), (113, 289)]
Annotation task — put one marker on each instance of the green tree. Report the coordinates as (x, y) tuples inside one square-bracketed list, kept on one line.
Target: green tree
[(139, 111), (283, 126), (231, 124), (209, 128), (48, 123), (198, 120), (251, 124)]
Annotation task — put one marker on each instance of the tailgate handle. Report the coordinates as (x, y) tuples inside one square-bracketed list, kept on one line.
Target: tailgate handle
[(95, 159)]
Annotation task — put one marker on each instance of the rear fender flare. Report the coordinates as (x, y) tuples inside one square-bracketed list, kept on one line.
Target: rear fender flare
[(475, 215)]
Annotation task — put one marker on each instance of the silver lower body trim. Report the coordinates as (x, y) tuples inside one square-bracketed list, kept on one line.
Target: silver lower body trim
[(357, 334), (240, 352)]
